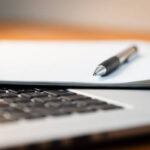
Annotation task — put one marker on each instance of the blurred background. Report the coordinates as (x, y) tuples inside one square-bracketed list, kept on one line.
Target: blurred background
[(109, 15)]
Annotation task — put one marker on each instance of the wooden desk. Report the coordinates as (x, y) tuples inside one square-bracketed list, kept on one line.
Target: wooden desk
[(21, 31), (18, 31)]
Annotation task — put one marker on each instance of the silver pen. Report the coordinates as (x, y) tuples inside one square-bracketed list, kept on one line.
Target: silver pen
[(114, 62)]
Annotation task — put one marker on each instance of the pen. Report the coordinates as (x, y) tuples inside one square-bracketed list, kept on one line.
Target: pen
[(111, 64)]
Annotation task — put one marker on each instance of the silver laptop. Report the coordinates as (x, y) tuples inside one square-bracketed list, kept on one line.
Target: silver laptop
[(38, 115), (33, 115)]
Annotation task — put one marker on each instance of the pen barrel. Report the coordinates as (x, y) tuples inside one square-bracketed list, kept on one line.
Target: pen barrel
[(111, 64), (127, 54)]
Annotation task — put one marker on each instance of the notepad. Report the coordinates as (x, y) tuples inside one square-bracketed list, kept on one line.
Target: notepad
[(70, 62)]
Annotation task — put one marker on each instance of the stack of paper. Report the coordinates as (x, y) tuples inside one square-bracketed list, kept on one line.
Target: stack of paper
[(71, 63)]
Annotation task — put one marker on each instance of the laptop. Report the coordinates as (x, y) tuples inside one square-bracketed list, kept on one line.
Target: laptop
[(35, 114), (44, 115), (47, 116)]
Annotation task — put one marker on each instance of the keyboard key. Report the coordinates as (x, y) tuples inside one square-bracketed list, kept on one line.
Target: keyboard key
[(87, 109), (12, 91), (78, 103), (34, 103), (23, 90), (61, 112), (34, 94), (73, 97), (17, 100), (3, 103), (36, 113), (7, 95), (5, 120), (96, 102), (2, 91), (37, 100), (13, 115), (111, 107), (53, 104), (59, 92)]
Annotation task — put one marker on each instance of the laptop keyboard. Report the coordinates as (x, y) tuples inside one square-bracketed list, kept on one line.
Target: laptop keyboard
[(34, 103)]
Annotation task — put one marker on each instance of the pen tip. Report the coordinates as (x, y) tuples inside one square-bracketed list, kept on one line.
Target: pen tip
[(100, 70), (94, 74)]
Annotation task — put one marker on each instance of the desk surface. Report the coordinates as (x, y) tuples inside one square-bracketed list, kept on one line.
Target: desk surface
[(18, 31), (42, 32)]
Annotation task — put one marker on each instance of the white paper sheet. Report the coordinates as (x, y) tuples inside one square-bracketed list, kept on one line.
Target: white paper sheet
[(70, 61)]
